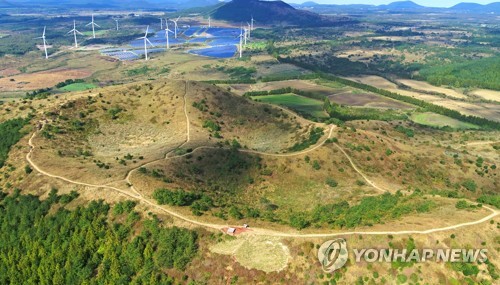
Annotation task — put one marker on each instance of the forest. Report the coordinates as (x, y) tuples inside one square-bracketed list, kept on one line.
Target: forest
[(37, 236), (482, 73), (10, 134)]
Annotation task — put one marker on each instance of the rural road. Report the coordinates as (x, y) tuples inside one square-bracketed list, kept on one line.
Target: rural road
[(256, 231)]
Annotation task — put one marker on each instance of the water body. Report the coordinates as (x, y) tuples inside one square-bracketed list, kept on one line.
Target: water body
[(220, 42)]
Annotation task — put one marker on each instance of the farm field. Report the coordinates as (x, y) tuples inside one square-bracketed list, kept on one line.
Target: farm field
[(439, 121), (300, 104), (39, 80), (368, 100), (485, 110), (79, 87), (424, 86), (491, 95)]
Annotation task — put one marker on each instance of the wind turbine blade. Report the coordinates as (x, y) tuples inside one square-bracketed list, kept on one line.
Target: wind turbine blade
[(96, 25), (150, 42), (79, 32), (178, 18), (44, 31), (71, 31), (89, 24), (147, 30)]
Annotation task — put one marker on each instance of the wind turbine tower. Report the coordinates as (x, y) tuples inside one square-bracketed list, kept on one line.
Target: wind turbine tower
[(249, 30), (117, 26), (167, 30), (209, 22), (93, 24), (245, 35), (146, 41), (44, 43), (175, 26), (75, 31), (251, 23), (241, 42)]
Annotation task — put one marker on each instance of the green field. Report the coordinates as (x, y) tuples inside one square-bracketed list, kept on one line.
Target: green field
[(257, 45), (300, 104), (436, 120), (78, 87)]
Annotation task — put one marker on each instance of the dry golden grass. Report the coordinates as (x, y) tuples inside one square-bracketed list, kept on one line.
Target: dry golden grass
[(420, 85), (262, 253), (39, 80), (151, 123), (487, 94)]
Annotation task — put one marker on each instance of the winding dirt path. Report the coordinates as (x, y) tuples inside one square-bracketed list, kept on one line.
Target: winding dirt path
[(481, 143), (134, 194)]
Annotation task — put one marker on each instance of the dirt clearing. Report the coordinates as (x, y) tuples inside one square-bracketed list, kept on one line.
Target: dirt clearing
[(39, 80), (263, 253)]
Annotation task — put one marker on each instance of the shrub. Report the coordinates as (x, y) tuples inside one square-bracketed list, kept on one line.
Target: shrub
[(331, 182), (462, 204), (470, 185)]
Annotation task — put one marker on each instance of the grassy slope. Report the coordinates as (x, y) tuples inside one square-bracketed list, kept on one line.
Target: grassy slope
[(436, 120), (295, 102), (78, 87)]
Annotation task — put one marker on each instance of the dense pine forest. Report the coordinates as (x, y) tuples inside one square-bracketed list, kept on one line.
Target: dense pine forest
[(483, 73), (10, 134), (36, 239)]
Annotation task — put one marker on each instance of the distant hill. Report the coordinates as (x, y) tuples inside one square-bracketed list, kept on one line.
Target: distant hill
[(477, 8), (400, 6), (271, 12)]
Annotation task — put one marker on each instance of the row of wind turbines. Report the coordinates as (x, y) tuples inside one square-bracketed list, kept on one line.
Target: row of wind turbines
[(245, 34)]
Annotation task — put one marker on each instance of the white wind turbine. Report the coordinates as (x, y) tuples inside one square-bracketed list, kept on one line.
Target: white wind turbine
[(44, 43), (93, 26), (117, 26), (241, 42), (175, 26), (245, 35), (75, 31), (146, 41), (251, 23), (167, 30)]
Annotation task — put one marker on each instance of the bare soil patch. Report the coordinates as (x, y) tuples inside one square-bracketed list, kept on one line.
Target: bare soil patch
[(39, 80), (491, 95), (420, 85), (367, 100)]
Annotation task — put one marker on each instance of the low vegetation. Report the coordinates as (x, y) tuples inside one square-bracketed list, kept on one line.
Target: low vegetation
[(314, 135), (371, 210)]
